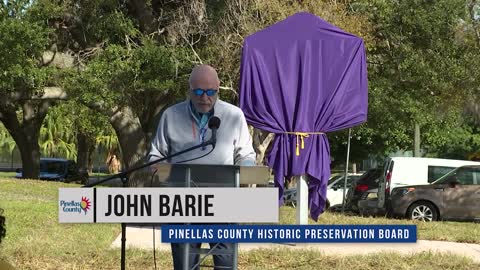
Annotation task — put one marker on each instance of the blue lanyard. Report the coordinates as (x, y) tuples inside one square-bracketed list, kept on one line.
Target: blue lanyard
[(203, 131), (201, 120)]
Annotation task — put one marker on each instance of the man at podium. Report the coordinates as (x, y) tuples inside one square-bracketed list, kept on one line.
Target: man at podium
[(185, 125)]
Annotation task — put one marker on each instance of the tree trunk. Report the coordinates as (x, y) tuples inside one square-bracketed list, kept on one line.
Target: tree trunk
[(144, 14), (90, 160), (261, 140), (85, 149), (132, 141), (29, 152), (26, 133)]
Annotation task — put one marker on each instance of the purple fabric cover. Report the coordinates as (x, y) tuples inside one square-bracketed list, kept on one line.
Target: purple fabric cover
[(303, 74)]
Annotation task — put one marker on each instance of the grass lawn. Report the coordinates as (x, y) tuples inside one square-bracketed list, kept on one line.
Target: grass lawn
[(35, 240), (465, 232), (7, 174)]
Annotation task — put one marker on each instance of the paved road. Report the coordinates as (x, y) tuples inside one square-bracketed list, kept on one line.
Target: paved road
[(141, 237)]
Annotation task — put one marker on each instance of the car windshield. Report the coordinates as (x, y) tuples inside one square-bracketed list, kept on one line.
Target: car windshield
[(57, 167), (370, 175), (341, 182), (334, 178)]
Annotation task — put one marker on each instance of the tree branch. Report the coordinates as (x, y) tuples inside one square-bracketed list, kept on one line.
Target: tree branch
[(144, 14), (193, 50), (57, 59), (28, 111), (230, 89), (475, 24), (46, 93)]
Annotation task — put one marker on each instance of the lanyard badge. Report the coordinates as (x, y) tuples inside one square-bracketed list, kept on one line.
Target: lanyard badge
[(203, 132)]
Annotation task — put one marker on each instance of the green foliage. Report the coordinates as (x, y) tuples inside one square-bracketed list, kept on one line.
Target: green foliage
[(14, 8), (460, 142), (7, 144), (48, 12), (94, 22), (93, 125), (122, 76), (58, 134), (417, 72), (22, 44)]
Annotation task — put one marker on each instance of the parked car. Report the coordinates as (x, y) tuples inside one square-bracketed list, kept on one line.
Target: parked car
[(336, 186), (368, 204), (57, 169), (406, 171), (454, 196), (334, 190), (359, 189)]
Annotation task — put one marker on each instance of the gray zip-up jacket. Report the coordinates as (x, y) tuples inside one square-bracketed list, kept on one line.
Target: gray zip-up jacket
[(178, 130)]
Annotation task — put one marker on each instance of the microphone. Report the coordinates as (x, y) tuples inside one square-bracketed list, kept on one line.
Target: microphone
[(213, 124)]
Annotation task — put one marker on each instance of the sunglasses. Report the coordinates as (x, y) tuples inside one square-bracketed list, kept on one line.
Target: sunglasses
[(199, 92)]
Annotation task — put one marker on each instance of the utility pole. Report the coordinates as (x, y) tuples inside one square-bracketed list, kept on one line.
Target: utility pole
[(416, 141)]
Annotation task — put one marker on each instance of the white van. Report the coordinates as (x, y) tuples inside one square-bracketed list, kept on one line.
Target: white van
[(405, 171)]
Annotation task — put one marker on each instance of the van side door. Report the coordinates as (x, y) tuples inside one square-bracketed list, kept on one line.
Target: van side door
[(382, 183), (462, 194)]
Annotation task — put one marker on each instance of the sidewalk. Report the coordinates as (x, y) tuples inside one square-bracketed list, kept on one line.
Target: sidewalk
[(141, 237)]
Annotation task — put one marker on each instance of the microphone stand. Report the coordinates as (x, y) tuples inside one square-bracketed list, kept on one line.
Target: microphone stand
[(124, 177)]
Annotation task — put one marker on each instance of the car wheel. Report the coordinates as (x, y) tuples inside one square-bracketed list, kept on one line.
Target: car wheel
[(422, 211)]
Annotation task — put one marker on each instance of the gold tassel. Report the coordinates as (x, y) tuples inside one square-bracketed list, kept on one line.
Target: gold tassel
[(299, 137)]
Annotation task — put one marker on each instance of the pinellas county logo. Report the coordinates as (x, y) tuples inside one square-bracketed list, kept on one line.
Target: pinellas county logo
[(76, 206)]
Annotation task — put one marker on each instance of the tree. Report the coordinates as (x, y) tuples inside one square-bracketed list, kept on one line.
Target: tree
[(469, 33), (23, 79), (417, 71), (59, 35)]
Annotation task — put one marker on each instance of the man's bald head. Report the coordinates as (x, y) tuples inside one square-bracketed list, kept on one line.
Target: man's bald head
[(203, 73), (204, 77)]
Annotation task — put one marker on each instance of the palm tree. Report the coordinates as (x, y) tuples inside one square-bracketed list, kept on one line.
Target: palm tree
[(7, 144), (57, 137)]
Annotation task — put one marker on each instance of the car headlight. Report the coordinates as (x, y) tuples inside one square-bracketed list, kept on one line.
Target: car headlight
[(403, 191)]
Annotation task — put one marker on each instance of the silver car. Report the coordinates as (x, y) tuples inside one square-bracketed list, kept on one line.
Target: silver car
[(455, 196)]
